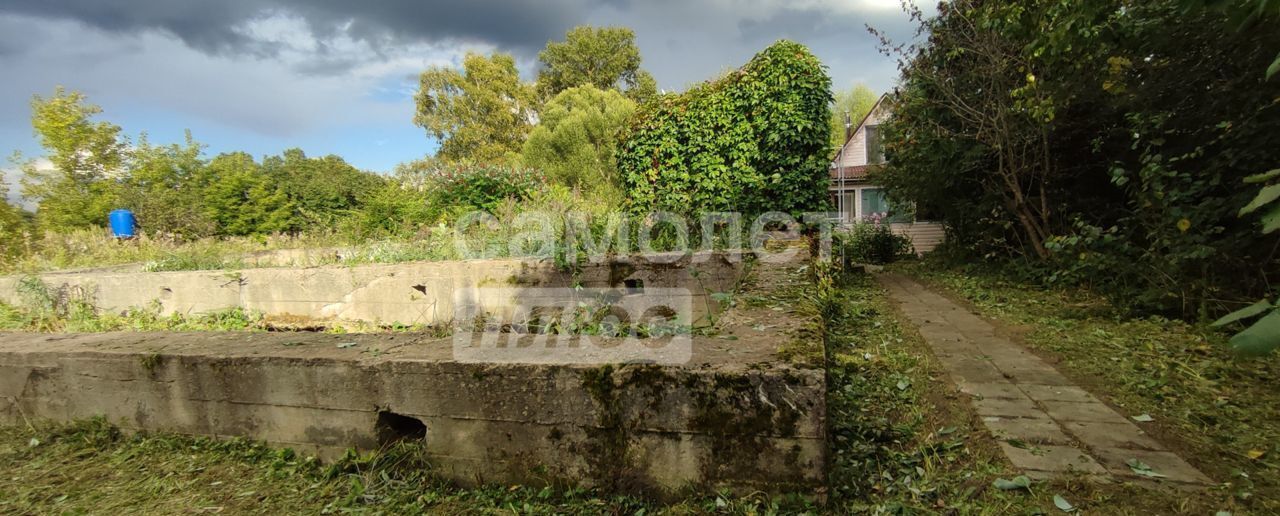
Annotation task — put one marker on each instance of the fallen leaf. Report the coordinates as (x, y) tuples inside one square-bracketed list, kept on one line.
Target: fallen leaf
[(1141, 468), (1062, 504), (1252, 454), (1018, 482)]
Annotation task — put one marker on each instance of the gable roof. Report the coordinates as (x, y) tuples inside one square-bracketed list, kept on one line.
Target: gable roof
[(861, 124)]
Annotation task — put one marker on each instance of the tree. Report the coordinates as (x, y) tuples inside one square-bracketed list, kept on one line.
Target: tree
[(577, 137), (1061, 131), (86, 157), (604, 57), (481, 113), (162, 187), (243, 200), (853, 103), (13, 226), (319, 189)]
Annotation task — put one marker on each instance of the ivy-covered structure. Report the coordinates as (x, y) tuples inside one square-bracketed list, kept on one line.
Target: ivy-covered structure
[(753, 141)]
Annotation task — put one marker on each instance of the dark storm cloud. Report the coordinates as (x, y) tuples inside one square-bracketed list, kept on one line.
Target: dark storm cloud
[(721, 32), (216, 26)]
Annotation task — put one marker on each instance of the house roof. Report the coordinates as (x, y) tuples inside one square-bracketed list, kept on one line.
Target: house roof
[(849, 172), (862, 123)]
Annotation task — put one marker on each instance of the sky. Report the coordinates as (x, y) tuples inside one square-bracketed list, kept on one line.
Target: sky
[(338, 76)]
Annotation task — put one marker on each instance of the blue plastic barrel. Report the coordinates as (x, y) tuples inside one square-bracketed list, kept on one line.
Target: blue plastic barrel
[(123, 224)]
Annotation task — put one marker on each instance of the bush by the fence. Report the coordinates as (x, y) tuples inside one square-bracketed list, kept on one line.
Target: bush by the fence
[(869, 242)]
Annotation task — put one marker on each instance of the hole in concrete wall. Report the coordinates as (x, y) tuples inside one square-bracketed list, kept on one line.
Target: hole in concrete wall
[(392, 428), (634, 286), (420, 288)]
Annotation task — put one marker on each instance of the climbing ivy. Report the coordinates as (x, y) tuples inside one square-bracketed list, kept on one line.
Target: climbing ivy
[(753, 141)]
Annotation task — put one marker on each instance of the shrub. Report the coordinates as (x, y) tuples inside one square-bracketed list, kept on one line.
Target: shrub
[(753, 141), (869, 242), (480, 187), (14, 231), (576, 139)]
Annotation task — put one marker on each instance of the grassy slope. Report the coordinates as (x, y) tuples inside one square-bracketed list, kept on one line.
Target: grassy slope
[(1220, 411)]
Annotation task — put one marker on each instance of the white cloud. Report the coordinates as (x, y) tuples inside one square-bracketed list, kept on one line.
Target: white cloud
[(12, 175)]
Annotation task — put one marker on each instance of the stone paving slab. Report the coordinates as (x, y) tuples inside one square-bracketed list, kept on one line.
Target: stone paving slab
[(1046, 424), (1052, 458), (1035, 431)]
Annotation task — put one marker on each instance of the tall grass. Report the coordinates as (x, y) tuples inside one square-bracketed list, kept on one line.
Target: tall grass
[(90, 248), (95, 248)]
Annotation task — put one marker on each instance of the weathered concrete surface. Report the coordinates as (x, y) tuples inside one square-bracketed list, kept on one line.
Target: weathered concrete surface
[(1046, 425), (406, 293), (733, 417)]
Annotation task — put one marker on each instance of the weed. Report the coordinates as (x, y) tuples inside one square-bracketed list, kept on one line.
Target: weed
[(150, 361)]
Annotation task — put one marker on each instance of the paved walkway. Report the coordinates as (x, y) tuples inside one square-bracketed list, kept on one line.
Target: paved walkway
[(1046, 424)]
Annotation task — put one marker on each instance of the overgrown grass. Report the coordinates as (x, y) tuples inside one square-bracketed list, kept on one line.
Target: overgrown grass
[(95, 248), (86, 319), (90, 467), (82, 317), (1220, 411), (903, 442)]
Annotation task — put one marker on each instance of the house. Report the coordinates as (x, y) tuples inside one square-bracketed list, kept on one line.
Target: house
[(857, 198)]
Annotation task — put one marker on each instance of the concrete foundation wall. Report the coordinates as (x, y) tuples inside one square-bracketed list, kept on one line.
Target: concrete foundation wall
[(407, 293), (719, 422)]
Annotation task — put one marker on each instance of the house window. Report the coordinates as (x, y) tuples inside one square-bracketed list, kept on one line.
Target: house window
[(875, 150), (873, 203)]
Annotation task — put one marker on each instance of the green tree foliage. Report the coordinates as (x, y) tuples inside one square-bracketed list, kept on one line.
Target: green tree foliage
[(465, 187), (242, 199), (482, 112), (162, 188), (1263, 335), (173, 189), (755, 140), (854, 103), (604, 57), (402, 205), (85, 155), (1066, 132), (14, 230), (319, 189), (577, 137), (426, 193)]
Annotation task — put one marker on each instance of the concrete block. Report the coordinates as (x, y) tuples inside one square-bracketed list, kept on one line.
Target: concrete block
[(1168, 464), (1111, 435), (1028, 430), (1008, 407), (1054, 458), (1098, 412)]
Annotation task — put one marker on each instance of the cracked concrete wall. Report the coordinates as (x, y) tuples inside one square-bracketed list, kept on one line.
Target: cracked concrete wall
[(634, 428), (406, 293)]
